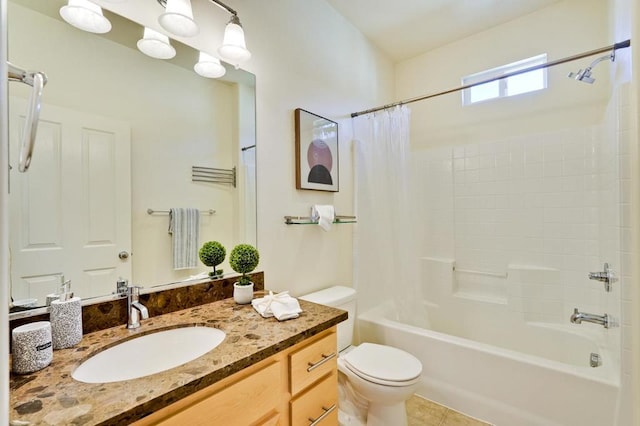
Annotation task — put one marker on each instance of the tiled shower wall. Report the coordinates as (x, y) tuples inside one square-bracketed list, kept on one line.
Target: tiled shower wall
[(526, 216), (623, 128)]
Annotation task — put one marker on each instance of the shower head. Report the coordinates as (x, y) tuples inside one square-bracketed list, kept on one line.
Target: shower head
[(585, 74)]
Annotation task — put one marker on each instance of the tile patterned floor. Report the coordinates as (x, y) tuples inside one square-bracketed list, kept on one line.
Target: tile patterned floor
[(422, 412)]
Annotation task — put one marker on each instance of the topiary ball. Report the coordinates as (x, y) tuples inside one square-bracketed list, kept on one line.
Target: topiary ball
[(212, 253), (244, 258)]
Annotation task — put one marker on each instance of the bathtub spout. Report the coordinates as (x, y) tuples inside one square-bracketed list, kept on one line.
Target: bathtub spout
[(578, 317)]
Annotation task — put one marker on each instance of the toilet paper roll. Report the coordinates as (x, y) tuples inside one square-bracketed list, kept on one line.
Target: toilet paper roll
[(31, 347)]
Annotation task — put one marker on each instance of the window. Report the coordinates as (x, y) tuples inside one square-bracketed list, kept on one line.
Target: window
[(510, 86)]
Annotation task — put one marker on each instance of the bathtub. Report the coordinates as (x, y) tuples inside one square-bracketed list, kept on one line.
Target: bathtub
[(526, 384)]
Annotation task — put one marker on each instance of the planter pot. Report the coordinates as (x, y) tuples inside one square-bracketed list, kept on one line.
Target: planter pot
[(242, 294)]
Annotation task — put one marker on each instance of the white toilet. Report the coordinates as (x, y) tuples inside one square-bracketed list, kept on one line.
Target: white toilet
[(382, 377)]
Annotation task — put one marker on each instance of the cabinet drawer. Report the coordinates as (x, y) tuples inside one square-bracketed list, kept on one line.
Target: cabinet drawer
[(240, 404), (312, 362), (318, 405)]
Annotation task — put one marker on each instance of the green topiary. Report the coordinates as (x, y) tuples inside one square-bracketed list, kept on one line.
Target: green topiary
[(243, 259), (212, 253)]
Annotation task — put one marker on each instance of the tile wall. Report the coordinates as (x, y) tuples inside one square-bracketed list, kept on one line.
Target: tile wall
[(531, 203)]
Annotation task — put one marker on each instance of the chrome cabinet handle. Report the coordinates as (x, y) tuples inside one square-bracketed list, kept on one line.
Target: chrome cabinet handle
[(327, 411), (324, 359)]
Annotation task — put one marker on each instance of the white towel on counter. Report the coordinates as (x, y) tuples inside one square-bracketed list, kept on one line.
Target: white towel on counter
[(324, 214), (184, 226), (281, 305)]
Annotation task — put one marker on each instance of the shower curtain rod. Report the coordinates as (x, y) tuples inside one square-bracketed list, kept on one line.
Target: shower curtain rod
[(614, 47)]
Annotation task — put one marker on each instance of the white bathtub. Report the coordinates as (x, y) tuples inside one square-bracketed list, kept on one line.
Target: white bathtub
[(506, 387)]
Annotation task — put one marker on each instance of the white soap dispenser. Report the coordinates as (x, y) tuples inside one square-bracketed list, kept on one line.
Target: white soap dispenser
[(66, 318)]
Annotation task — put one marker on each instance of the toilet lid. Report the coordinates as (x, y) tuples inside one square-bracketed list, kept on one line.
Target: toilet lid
[(383, 364)]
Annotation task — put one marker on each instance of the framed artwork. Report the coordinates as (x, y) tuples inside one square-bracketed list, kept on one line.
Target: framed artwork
[(316, 152)]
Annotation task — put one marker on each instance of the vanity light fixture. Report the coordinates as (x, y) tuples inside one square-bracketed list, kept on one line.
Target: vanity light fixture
[(86, 16), (233, 49), (178, 18), (156, 45), (209, 66)]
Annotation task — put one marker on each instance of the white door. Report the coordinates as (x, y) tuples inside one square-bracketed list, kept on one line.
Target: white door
[(70, 213)]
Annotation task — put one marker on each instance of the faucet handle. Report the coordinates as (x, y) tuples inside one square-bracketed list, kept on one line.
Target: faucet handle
[(122, 286), (607, 277)]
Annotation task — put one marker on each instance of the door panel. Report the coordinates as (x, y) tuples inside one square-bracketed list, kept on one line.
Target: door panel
[(70, 213)]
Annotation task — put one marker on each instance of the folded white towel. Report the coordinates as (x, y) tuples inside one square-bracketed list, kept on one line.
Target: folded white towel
[(184, 225), (324, 214), (281, 305)]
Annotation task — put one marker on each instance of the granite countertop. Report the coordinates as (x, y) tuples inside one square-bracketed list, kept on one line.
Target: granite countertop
[(52, 397)]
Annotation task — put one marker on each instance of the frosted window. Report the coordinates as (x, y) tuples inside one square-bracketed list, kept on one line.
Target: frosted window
[(510, 86)]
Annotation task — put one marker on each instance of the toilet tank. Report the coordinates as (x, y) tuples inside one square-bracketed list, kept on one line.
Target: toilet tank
[(342, 298)]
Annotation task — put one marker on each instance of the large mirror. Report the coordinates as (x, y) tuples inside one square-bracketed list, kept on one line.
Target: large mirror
[(118, 137)]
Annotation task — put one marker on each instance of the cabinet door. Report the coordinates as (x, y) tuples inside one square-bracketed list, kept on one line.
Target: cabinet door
[(312, 362), (243, 403), (318, 405)]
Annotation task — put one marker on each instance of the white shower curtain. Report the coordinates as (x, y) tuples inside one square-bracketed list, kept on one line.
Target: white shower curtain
[(386, 250)]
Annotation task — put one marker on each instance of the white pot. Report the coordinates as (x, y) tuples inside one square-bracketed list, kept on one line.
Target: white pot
[(242, 294)]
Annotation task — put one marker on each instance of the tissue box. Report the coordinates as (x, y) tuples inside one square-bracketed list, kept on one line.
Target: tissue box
[(31, 347)]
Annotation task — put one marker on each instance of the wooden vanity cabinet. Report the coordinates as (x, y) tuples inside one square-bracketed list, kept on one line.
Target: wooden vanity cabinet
[(297, 386)]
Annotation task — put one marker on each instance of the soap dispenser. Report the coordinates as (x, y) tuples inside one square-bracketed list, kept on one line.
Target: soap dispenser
[(66, 318)]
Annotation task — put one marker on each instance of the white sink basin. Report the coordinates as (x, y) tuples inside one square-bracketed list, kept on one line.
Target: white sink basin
[(148, 354)]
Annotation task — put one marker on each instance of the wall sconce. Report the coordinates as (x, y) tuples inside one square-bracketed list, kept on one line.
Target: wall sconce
[(209, 66), (156, 45), (86, 16)]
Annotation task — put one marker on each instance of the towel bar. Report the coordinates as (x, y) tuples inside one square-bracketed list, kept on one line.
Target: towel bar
[(151, 211), (213, 175)]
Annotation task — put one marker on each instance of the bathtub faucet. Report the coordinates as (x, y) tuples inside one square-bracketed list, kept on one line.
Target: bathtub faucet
[(578, 317)]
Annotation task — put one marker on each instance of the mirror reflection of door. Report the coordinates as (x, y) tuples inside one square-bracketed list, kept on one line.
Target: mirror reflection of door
[(70, 213)]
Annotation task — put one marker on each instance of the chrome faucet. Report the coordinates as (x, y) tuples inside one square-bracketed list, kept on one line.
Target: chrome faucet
[(578, 317), (135, 310)]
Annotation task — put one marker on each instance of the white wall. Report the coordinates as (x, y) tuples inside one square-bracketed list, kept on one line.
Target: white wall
[(306, 56), (560, 30)]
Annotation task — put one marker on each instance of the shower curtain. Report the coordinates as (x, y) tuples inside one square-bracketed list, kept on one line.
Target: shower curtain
[(386, 251)]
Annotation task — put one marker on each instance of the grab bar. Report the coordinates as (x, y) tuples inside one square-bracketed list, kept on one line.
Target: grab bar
[(37, 80)]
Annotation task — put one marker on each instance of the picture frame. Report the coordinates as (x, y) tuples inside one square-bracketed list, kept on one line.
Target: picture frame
[(317, 159)]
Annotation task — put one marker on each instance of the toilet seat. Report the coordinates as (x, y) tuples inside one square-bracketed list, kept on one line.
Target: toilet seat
[(384, 365)]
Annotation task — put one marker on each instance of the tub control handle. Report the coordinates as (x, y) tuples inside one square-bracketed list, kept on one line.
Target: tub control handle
[(327, 411), (607, 277), (325, 358)]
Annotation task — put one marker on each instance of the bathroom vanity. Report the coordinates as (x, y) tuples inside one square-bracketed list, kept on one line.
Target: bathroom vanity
[(264, 372)]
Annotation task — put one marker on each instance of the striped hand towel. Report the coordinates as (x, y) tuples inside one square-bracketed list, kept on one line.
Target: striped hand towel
[(184, 226)]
